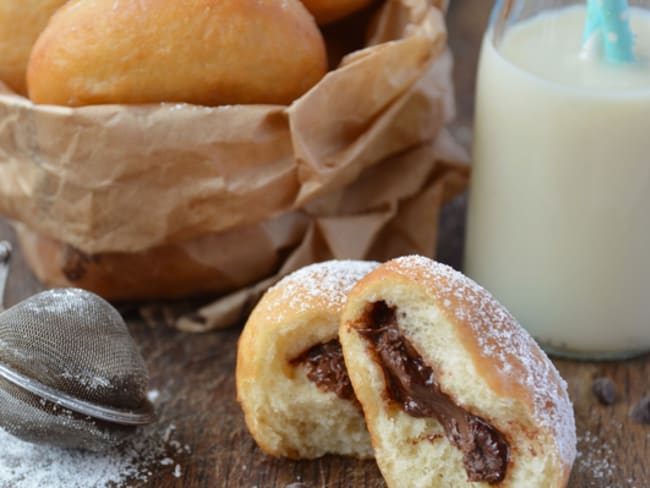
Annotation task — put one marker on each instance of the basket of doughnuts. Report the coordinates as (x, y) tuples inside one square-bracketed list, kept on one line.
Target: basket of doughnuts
[(162, 149)]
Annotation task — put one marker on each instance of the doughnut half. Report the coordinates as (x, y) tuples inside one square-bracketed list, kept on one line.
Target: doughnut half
[(206, 52), (291, 378), (455, 393)]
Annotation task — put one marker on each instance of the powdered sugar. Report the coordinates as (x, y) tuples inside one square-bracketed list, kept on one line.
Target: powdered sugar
[(59, 301), (329, 281), (594, 457), (87, 379), (514, 352), (25, 465)]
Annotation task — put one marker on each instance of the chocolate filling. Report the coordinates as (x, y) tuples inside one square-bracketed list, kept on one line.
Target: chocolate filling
[(325, 367), (412, 384)]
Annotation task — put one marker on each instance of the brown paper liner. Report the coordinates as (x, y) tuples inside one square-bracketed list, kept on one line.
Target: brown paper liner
[(402, 220), (168, 200), (117, 178), (391, 210)]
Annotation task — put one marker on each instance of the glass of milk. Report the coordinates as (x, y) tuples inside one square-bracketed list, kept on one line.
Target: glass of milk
[(559, 208)]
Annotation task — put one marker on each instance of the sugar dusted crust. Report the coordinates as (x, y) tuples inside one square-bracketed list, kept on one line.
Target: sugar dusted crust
[(319, 286), (504, 355), (300, 311), (314, 294)]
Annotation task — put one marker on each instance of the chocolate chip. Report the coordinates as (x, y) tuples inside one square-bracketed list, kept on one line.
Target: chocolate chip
[(604, 389), (641, 411)]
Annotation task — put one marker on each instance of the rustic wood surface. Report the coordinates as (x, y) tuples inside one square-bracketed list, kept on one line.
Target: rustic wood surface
[(195, 373)]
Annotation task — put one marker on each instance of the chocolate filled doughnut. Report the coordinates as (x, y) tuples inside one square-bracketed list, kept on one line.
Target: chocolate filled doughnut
[(291, 378), (455, 392)]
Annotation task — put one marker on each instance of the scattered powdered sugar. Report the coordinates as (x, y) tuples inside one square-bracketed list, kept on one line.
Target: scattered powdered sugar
[(329, 281), (500, 338), (88, 380), (26, 465), (594, 458), (153, 395)]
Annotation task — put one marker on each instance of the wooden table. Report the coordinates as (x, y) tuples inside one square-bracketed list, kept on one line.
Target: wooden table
[(195, 374)]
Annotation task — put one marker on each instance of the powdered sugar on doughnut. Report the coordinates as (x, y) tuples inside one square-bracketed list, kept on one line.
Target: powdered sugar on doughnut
[(329, 282), (502, 340)]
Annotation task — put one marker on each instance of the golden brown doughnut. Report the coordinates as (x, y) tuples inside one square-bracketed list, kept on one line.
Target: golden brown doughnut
[(169, 271), (325, 11), (207, 52), (21, 21), (454, 391), (291, 379)]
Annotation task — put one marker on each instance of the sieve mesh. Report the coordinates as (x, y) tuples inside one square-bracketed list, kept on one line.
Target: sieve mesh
[(33, 419), (77, 343)]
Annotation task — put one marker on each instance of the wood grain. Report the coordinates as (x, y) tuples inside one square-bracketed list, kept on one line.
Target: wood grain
[(194, 373)]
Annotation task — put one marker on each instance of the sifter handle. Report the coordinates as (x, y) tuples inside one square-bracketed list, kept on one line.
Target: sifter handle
[(5, 255)]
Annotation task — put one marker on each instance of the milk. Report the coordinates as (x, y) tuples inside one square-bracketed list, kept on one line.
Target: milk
[(559, 212)]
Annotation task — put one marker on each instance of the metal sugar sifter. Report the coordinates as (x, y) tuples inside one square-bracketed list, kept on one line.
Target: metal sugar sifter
[(70, 373)]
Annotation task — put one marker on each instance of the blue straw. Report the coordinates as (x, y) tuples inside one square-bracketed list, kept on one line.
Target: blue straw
[(609, 22)]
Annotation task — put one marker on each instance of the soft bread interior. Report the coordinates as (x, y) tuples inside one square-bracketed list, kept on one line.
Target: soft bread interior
[(414, 452), (285, 411)]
